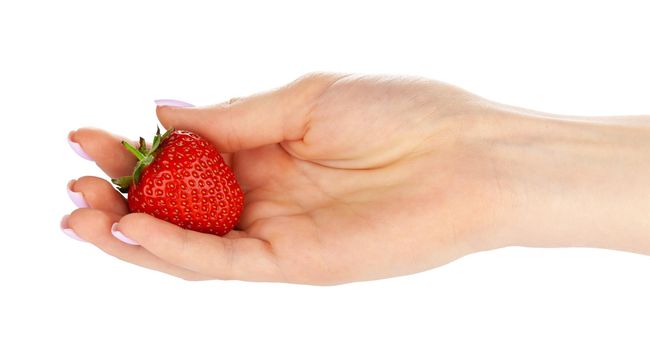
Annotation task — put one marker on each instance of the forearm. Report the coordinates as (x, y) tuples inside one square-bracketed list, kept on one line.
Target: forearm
[(573, 181)]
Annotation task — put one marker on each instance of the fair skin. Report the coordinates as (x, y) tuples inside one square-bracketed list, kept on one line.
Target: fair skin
[(350, 178)]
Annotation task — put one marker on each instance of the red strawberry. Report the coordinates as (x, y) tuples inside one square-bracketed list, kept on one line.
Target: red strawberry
[(184, 180)]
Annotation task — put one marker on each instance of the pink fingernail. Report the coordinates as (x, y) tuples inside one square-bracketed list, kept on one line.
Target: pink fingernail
[(119, 235), (68, 231), (77, 197), (172, 103), (77, 148)]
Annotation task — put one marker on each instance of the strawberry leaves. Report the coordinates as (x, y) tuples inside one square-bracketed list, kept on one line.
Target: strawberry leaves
[(145, 157)]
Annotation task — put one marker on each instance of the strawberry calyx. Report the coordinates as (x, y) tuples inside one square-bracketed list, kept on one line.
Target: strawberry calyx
[(145, 157)]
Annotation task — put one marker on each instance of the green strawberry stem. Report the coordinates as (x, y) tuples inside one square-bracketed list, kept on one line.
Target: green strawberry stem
[(143, 146), (123, 183), (136, 152), (145, 157)]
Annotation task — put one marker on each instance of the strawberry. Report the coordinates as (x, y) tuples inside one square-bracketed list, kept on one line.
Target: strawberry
[(184, 180)]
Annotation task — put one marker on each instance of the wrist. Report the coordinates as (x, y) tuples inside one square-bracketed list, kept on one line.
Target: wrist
[(567, 181)]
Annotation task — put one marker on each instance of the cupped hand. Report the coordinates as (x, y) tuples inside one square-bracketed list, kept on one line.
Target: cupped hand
[(346, 178)]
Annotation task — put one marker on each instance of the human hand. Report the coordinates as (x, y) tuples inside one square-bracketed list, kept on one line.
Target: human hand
[(346, 178)]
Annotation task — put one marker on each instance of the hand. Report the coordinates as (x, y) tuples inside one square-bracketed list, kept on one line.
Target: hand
[(346, 178)]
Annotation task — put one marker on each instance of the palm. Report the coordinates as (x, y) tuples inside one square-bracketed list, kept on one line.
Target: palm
[(301, 209), (326, 208)]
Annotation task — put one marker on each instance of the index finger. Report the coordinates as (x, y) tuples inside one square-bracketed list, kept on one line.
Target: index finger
[(105, 149)]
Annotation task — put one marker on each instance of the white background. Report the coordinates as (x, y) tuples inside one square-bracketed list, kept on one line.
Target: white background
[(64, 65)]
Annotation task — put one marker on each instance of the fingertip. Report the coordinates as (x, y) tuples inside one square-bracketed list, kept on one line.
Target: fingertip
[(77, 197), (135, 221), (106, 150), (196, 119), (167, 102), (95, 192), (79, 215), (164, 116), (81, 134), (86, 221), (131, 228), (120, 235), (140, 226), (65, 228), (76, 147), (168, 115)]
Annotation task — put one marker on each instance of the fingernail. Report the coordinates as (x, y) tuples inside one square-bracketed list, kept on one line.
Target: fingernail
[(77, 148), (119, 235), (67, 230), (77, 197), (172, 103)]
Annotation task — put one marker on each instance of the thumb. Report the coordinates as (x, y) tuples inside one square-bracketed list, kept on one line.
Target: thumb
[(262, 119)]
